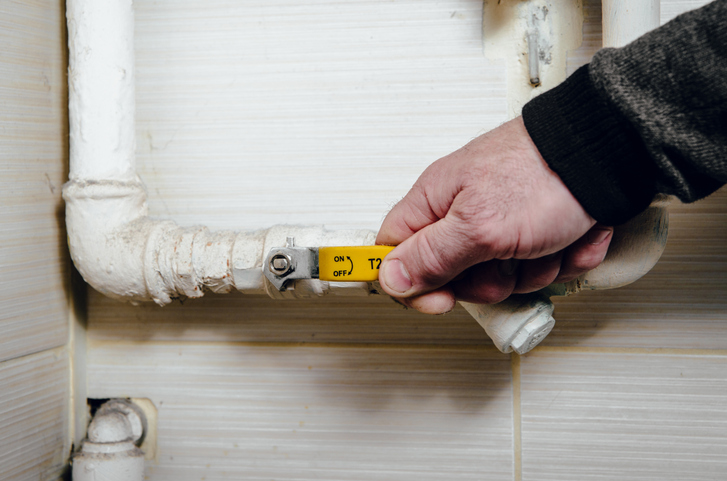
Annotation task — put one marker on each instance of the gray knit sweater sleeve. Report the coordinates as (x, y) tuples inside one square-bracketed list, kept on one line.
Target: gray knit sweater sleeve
[(647, 118)]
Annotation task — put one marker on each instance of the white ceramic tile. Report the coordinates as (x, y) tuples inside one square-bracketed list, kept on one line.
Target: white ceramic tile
[(596, 416), (592, 33), (238, 317), (236, 411), (33, 146), (34, 413), (672, 8), (251, 114)]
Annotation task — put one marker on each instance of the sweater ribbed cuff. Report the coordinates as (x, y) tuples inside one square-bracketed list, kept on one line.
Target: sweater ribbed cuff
[(594, 150)]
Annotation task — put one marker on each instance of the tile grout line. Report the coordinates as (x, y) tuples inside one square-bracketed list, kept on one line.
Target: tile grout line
[(516, 418), (95, 343), (630, 350), (394, 345)]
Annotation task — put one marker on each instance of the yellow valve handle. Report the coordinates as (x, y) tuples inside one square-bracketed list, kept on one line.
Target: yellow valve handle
[(351, 263)]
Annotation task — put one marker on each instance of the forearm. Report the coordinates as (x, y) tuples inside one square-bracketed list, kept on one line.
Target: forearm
[(644, 119)]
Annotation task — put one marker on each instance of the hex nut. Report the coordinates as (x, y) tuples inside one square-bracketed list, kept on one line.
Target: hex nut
[(280, 264)]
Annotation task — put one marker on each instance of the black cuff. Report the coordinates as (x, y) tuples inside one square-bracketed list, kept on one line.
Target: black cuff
[(594, 149)]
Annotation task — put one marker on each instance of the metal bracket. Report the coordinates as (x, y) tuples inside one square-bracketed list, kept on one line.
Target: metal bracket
[(284, 264)]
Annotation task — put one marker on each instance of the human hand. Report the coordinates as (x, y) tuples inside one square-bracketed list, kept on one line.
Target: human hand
[(486, 221)]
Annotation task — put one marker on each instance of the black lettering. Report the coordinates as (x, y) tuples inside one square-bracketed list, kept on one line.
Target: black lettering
[(338, 259), (372, 262), (379, 264)]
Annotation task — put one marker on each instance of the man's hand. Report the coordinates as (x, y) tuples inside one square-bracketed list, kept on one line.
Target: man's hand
[(486, 221)]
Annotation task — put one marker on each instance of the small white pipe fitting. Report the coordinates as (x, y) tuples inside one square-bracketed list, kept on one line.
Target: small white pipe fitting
[(110, 453), (516, 324)]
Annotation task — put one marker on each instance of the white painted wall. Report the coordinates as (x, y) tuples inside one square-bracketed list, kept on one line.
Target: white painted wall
[(256, 113), (34, 362)]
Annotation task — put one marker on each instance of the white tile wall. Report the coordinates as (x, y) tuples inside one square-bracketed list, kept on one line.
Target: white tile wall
[(317, 112), (34, 416), (237, 317), (34, 371), (286, 411), (33, 163), (591, 40), (347, 103), (626, 416), (672, 8)]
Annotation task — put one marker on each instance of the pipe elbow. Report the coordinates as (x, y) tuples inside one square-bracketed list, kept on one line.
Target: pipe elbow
[(635, 249), (103, 244), (124, 254)]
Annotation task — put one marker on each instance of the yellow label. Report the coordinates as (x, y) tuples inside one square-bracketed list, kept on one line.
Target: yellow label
[(349, 264)]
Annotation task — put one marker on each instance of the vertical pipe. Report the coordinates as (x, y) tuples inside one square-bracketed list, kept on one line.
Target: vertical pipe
[(626, 20), (101, 90)]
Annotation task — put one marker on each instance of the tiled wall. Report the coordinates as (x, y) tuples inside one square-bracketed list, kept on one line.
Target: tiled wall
[(34, 416), (630, 385), (34, 369)]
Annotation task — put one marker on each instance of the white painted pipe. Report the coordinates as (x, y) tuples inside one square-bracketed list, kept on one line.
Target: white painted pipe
[(516, 324), (115, 246), (626, 20), (101, 91), (109, 453)]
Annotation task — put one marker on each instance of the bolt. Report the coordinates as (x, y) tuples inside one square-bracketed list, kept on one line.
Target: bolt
[(280, 264), (533, 332)]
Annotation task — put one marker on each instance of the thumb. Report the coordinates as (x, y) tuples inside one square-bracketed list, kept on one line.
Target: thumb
[(429, 259)]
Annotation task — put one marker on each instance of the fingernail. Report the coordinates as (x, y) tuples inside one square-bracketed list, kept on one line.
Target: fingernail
[(508, 267), (597, 236), (395, 276)]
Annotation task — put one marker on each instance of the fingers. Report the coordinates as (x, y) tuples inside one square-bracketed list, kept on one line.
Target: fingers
[(488, 282), (538, 273), (494, 281), (585, 254), (411, 214), (439, 301), (429, 259), (427, 202)]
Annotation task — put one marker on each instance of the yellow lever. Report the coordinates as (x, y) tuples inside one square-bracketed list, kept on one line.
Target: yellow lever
[(351, 263)]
